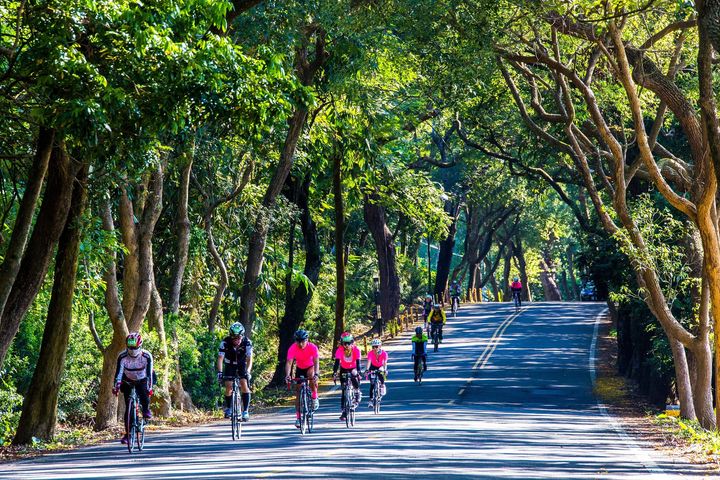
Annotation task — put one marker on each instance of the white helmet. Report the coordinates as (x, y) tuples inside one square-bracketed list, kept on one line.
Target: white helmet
[(376, 343)]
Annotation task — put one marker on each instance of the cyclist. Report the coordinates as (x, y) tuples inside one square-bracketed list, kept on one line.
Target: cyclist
[(516, 288), (377, 359), (306, 356), (419, 349), (427, 306), (455, 292), (347, 359), (134, 369), (235, 358), (437, 319)]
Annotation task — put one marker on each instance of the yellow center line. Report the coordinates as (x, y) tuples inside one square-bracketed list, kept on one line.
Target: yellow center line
[(484, 357)]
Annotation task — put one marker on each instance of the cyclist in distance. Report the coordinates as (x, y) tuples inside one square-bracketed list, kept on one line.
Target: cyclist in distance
[(377, 359), (235, 358), (437, 319), (419, 349), (516, 288), (427, 306), (306, 356), (455, 292), (134, 368), (347, 360)]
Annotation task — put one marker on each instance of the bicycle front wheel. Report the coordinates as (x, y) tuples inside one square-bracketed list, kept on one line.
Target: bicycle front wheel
[(235, 416), (130, 427), (140, 435), (303, 413)]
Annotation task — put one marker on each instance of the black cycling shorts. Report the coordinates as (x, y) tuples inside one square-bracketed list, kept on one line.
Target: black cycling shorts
[(231, 370)]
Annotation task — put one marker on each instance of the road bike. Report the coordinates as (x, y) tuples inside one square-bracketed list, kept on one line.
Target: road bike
[(305, 404), (419, 370), (235, 407), (135, 422), (516, 300), (435, 335), (375, 397), (348, 396), (455, 305)]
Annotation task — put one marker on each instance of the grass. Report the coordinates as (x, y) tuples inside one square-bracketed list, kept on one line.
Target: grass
[(702, 441), (611, 389)]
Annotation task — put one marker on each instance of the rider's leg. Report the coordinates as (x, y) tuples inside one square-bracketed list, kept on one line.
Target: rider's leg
[(144, 396), (440, 331), (313, 382), (245, 389), (424, 360), (125, 389)]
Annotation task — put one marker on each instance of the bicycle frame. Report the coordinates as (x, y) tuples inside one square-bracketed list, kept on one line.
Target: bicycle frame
[(235, 407), (135, 426), (304, 399)]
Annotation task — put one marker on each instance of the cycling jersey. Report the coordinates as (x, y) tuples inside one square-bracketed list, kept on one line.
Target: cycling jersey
[(437, 316), (419, 344), (516, 286), (233, 355), (134, 368), (427, 306), (304, 357), (377, 358), (455, 292), (345, 360)]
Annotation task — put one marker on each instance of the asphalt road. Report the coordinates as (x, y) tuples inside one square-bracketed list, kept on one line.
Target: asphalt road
[(507, 396)]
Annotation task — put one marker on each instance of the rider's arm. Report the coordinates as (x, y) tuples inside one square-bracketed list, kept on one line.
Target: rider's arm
[(336, 365), (413, 345), (288, 366), (219, 366), (317, 366), (248, 357), (357, 365), (119, 369), (149, 368), (444, 317)]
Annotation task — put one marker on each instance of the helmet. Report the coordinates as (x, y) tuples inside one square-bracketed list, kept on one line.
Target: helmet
[(515, 279), (376, 343), (437, 305), (347, 337), (301, 335), (237, 329), (133, 341), (454, 282), (428, 296), (418, 330)]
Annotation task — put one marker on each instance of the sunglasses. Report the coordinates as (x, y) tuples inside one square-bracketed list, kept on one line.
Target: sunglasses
[(132, 348), (376, 346), (346, 344)]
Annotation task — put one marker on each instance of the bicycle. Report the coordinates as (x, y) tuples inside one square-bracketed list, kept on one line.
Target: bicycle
[(516, 300), (455, 305), (435, 335), (235, 407), (374, 377), (135, 422), (348, 395), (419, 370), (307, 413)]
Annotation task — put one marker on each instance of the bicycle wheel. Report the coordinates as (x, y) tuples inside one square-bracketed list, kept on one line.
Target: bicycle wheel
[(419, 371), (303, 411), (436, 340), (351, 416), (140, 435), (346, 406), (234, 420), (376, 398), (131, 425)]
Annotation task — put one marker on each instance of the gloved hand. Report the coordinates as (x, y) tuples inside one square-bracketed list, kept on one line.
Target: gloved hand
[(335, 378), (220, 376), (116, 389), (150, 392), (248, 376)]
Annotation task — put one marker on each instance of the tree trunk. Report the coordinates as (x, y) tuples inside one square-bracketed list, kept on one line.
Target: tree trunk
[(39, 413), (339, 247), (182, 223), (41, 245), (156, 321), (507, 260), (256, 245), (575, 288), (296, 304), (522, 267), (21, 230), (374, 215), (547, 278), (447, 248), (491, 277)]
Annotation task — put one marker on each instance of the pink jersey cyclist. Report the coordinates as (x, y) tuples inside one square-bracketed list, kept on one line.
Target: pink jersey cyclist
[(306, 357), (377, 359), (347, 359)]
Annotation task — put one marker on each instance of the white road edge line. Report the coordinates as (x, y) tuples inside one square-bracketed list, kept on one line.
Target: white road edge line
[(640, 452)]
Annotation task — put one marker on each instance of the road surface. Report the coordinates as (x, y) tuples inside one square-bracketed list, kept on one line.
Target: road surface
[(508, 396)]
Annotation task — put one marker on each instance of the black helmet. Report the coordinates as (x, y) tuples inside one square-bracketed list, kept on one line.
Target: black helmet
[(418, 330), (237, 329), (301, 335)]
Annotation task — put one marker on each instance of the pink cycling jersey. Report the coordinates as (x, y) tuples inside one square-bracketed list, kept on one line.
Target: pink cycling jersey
[(304, 357), (348, 362), (377, 359)]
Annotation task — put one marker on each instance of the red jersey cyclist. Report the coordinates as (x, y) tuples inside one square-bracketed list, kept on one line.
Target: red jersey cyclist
[(347, 359), (377, 359), (516, 288), (306, 357)]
